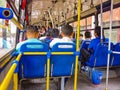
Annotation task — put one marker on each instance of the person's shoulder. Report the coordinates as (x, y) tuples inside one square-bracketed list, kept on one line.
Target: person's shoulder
[(94, 39), (19, 45), (32, 40), (56, 39), (42, 38)]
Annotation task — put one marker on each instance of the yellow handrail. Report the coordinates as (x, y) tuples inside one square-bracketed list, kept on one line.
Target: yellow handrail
[(17, 23), (77, 46), (15, 76), (8, 77), (44, 53), (48, 75)]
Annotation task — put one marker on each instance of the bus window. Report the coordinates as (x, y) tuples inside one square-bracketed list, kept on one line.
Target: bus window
[(115, 35), (7, 35), (115, 23)]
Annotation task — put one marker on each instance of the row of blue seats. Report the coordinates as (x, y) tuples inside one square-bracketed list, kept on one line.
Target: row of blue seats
[(100, 56), (34, 66)]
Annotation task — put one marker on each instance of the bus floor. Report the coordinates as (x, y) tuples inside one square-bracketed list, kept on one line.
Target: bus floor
[(83, 84)]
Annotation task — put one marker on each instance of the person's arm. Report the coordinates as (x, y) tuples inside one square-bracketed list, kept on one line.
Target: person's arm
[(18, 46), (90, 47)]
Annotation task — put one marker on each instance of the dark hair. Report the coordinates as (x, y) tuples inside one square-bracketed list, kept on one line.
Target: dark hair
[(67, 30), (55, 33), (87, 34), (98, 30)]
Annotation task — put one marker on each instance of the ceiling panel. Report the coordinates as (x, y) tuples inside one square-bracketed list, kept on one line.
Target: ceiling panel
[(58, 8)]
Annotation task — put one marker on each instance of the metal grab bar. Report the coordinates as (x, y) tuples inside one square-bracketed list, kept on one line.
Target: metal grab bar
[(9, 75), (77, 45), (110, 33), (17, 23)]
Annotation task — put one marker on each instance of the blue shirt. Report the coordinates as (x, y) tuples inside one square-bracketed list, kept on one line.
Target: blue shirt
[(29, 40), (85, 44), (94, 42), (92, 46)]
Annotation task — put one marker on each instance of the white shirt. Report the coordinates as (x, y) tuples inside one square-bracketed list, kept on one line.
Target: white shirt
[(63, 40)]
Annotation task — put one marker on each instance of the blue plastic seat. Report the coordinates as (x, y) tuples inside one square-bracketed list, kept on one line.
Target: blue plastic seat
[(63, 65), (116, 57), (47, 40), (33, 66), (85, 44), (100, 55)]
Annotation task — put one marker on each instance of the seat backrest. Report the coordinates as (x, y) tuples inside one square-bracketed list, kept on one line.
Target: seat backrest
[(47, 40), (116, 57), (100, 55), (63, 65), (33, 66), (85, 44)]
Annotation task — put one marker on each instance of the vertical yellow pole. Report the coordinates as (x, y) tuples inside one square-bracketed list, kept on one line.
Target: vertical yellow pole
[(48, 75), (15, 81), (77, 46), (15, 76)]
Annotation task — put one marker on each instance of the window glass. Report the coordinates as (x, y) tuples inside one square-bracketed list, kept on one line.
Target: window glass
[(115, 22), (106, 18), (7, 33), (87, 23), (115, 35)]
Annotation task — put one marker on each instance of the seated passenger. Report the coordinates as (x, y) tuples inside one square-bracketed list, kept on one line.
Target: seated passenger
[(84, 54), (66, 33), (87, 40), (48, 38), (32, 35), (55, 33), (93, 44)]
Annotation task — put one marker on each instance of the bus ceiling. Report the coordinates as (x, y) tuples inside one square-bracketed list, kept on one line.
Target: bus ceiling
[(39, 11)]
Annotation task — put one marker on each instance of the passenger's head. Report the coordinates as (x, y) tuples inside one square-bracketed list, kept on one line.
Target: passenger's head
[(87, 34), (67, 31), (97, 31), (32, 32), (55, 33)]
